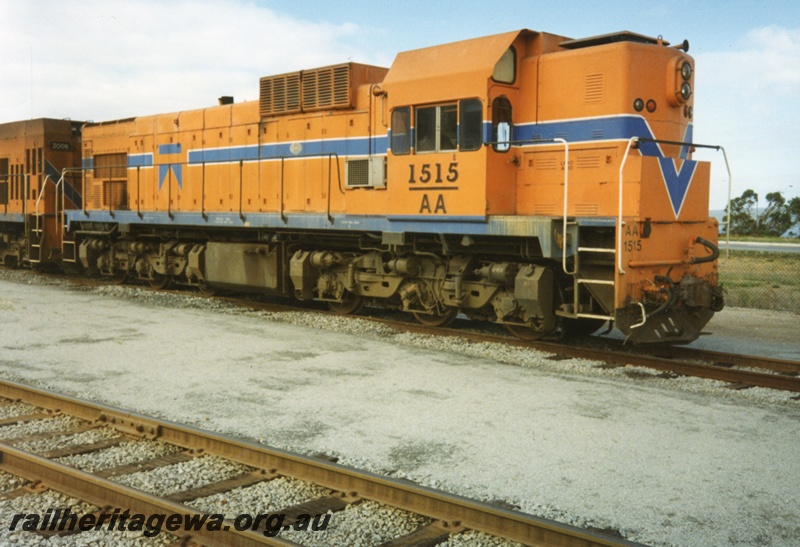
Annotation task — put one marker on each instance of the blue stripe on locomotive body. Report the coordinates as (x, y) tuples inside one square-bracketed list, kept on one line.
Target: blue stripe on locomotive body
[(611, 128), (348, 147), (12, 217), (584, 130), (140, 160)]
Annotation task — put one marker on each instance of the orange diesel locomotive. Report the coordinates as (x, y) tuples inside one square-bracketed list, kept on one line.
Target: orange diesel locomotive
[(39, 177), (541, 182)]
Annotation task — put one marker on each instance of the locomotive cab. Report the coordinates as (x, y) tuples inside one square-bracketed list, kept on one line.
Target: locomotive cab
[(586, 160), (39, 179)]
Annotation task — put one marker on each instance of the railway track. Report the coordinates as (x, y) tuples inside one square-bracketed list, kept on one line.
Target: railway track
[(436, 516), (739, 371)]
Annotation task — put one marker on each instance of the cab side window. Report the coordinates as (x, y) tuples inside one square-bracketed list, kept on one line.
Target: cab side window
[(401, 131), (470, 125), (438, 128), (502, 124)]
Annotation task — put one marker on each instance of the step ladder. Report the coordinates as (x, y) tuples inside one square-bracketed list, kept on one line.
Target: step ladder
[(35, 237), (584, 278)]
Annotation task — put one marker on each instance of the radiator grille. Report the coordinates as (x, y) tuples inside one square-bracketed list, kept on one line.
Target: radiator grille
[(306, 91), (97, 195), (280, 94), (326, 88)]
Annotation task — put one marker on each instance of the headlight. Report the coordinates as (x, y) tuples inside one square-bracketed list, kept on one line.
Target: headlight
[(686, 90), (686, 71)]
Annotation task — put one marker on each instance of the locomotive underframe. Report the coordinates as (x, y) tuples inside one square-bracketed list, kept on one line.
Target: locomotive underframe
[(13, 244), (435, 277)]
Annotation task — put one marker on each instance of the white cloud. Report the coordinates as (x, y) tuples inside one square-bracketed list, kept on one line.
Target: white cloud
[(747, 101), (103, 59), (767, 62)]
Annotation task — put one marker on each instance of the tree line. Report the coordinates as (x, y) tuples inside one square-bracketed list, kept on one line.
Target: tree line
[(772, 220)]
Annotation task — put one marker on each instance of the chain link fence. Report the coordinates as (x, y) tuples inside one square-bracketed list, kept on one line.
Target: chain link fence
[(764, 280)]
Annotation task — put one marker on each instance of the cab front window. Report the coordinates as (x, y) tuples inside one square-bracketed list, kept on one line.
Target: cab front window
[(436, 128)]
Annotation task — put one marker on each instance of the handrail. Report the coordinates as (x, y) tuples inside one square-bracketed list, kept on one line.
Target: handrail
[(566, 187), (203, 192), (631, 142), (11, 179), (727, 167), (63, 194), (330, 155), (138, 192), (566, 198), (8, 191), (241, 177), (283, 159), (728, 223), (39, 199), (169, 191), (26, 182)]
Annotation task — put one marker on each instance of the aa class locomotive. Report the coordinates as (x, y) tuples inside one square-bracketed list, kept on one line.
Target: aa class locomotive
[(525, 178)]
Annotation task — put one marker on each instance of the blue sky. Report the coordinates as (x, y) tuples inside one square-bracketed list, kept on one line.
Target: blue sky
[(108, 59)]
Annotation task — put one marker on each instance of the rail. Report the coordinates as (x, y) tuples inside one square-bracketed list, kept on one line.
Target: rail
[(351, 483)]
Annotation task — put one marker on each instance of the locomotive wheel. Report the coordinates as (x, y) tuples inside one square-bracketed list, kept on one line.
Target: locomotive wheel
[(436, 319), (531, 333), (119, 279), (351, 303), (205, 289), (160, 282), (582, 326)]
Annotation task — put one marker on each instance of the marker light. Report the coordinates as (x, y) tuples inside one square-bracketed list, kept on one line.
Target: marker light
[(638, 105), (651, 106)]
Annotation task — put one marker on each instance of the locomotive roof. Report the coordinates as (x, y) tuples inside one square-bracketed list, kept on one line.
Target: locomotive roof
[(621, 36), (466, 65)]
